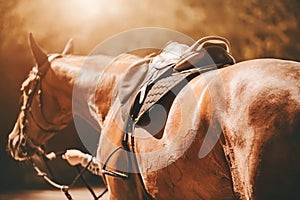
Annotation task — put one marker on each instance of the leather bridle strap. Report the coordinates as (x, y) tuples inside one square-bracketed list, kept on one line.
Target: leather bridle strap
[(131, 158), (129, 132), (104, 171), (44, 126)]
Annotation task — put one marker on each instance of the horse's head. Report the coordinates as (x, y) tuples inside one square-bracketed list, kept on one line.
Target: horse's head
[(44, 109)]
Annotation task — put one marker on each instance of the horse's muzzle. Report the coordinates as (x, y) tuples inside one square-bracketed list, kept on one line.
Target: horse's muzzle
[(16, 143)]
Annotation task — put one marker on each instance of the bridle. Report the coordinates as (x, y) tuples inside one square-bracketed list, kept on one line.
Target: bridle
[(28, 148), (26, 144)]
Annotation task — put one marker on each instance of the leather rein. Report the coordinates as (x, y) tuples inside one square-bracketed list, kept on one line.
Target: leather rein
[(30, 150)]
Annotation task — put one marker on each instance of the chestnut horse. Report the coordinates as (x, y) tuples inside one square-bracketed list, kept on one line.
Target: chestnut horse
[(230, 133)]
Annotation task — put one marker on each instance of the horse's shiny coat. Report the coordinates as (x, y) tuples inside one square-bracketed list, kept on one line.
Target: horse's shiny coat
[(229, 133), (255, 104)]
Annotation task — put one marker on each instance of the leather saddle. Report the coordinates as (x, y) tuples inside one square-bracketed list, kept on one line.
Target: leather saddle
[(207, 51)]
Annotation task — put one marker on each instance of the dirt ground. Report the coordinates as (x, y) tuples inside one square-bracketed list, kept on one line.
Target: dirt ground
[(77, 194)]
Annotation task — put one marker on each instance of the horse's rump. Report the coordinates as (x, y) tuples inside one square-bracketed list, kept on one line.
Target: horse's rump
[(261, 127), (256, 105)]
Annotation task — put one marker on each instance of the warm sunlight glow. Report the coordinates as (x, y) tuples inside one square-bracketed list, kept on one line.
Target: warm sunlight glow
[(87, 9)]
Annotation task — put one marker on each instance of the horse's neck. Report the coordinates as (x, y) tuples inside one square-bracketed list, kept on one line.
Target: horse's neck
[(81, 76), (107, 87)]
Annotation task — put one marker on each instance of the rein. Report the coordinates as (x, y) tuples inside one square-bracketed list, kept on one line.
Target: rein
[(29, 148), (63, 187)]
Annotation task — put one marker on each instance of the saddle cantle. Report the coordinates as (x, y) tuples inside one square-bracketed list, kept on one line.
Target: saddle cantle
[(211, 54), (210, 50)]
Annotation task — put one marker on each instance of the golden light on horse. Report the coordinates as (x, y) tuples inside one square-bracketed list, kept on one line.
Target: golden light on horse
[(246, 114)]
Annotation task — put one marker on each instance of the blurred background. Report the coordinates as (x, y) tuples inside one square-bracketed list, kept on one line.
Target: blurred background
[(255, 28)]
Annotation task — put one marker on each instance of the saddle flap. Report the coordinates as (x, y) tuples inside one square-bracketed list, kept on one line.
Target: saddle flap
[(131, 80)]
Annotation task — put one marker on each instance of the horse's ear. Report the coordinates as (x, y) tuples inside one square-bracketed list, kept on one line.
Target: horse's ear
[(37, 52), (69, 48)]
